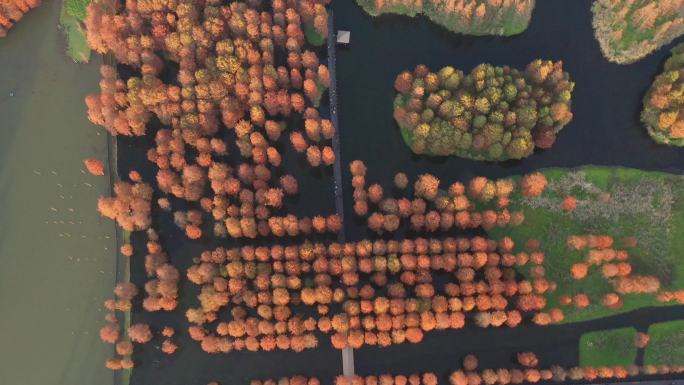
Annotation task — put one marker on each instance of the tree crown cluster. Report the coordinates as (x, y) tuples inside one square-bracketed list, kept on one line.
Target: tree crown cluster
[(479, 203), (427, 378), (663, 112), (530, 373), (264, 289), (241, 66), (294, 380), (493, 113)]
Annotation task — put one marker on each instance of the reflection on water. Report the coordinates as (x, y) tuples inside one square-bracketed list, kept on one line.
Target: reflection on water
[(56, 253)]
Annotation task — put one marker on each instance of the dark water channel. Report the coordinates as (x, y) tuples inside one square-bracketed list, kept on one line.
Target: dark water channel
[(605, 131)]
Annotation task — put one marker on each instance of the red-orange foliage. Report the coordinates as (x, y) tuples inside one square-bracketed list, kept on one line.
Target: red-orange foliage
[(168, 332), (528, 359), (289, 184), (140, 333), (458, 378), (401, 181), (533, 185), (641, 340), (113, 363), (470, 362), (403, 82), (636, 284), (313, 155), (127, 363), (94, 166), (397, 319), (339, 340), (612, 300), (580, 300), (193, 232), (569, 203), (124, 348), (110, 333), (427, 186), (579, 270), (357, 168), (125, 291), (328, 156), (130, 206), (168, 347), (126, 250), (375, 193)]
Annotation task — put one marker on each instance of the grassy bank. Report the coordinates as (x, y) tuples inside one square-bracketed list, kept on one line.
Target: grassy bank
[(70, 18), (503, 21), (618, 202), (666, 346), (608, 348)]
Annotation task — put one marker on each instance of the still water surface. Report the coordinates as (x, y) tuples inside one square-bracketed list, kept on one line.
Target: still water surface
[(57, 254)]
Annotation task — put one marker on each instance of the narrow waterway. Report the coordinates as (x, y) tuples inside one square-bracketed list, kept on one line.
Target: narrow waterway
[(57, 254)]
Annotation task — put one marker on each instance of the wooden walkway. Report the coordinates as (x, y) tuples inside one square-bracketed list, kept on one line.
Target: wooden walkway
[(347, 353)]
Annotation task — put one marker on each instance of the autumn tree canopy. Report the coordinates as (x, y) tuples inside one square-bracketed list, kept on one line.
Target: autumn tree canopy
[(493, 113), (663, 112)]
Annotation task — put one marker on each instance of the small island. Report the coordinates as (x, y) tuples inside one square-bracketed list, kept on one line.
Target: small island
[(470, 17), (630, 30), (493, 113), (664, 101)]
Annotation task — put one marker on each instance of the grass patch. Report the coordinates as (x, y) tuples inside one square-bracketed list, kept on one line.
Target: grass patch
[(666, 346), (76, 8), (312, 36), (77, 45), (645, 205), (608, 348)]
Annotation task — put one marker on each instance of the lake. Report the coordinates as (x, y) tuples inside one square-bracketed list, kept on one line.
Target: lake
[(57, 254)]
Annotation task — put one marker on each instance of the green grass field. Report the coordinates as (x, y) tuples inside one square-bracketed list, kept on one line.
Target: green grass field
[(76, 8), (645, 205), (666, 346), (608, 348)]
